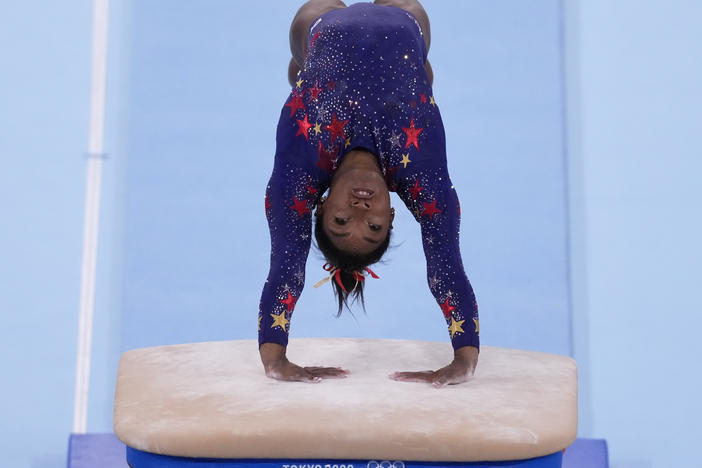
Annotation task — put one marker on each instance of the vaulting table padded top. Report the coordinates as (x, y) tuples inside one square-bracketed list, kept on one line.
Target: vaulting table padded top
[(212, 399)]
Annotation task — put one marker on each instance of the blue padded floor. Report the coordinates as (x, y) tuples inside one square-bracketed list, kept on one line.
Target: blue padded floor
[(106, 451), (139, 459)]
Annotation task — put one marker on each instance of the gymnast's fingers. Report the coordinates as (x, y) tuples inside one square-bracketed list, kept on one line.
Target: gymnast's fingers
[(423, 372), (301, 375), (316, 368), (328, 372), (420, 376)]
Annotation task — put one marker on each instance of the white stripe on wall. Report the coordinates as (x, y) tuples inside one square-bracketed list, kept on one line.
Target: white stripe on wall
[(91, 216)]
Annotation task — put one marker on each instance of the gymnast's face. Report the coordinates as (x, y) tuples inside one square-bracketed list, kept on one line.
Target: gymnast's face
[(356, 215)]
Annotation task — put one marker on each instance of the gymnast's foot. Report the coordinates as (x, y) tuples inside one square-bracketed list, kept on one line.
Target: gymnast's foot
[(460, 370), (277, 366)]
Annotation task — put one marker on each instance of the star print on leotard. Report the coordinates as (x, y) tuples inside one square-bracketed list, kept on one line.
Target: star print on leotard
[(363, 87)]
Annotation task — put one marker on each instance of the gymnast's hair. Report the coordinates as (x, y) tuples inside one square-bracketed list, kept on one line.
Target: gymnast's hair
[(347, 263)]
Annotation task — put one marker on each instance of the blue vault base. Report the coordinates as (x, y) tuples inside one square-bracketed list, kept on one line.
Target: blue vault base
[(106, 451), (139, 459)]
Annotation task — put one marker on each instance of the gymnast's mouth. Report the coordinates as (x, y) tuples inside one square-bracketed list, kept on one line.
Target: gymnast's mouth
[(362, 192)]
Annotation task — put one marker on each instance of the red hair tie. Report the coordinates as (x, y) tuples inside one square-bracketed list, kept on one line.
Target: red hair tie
[(336, 274)]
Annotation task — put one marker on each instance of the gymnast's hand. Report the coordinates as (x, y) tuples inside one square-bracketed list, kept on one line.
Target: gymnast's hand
[(278, 367), (462, 368)]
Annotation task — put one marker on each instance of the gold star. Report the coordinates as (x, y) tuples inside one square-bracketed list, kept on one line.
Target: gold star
[(477, 326), (416, 213), (456, 326), (432, 101), (280, 320), (299, 82), (317, 128), (348, 142), (259, 323), (405, 160)]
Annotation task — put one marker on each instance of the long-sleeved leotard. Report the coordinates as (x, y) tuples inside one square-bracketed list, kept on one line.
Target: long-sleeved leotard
[(363, 85)]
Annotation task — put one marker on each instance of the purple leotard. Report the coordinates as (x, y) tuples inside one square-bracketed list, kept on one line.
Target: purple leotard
[(363, 85)]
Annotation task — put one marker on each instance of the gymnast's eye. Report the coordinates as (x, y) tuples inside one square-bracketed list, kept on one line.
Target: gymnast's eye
[(374, 227), (340, 221)]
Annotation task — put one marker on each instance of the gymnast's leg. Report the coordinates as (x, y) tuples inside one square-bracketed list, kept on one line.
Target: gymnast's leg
[(416, 8), (298, 31)]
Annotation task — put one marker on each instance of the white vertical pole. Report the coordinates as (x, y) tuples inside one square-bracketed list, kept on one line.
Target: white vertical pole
[(92, 214)]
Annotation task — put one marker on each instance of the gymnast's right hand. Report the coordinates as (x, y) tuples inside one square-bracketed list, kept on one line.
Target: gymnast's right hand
[(278, 367)]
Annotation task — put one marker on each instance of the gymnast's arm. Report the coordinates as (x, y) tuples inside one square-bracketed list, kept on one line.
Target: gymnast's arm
[(438, 212), (288, 209)]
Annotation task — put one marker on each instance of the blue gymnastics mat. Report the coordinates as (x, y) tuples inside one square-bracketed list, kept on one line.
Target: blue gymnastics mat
[(106, 451), (139, 459)]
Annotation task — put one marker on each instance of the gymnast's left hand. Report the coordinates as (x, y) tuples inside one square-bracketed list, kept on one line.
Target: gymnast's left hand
[(462, 368)]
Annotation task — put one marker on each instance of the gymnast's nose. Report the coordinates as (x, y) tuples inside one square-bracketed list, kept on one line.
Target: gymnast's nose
[(358, 203)]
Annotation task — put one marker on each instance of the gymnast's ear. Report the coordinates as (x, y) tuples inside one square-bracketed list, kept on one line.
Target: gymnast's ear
[(319, 210), (392, 216)]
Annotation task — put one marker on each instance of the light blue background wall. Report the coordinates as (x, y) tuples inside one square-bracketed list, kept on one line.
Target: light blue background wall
[(635, 121), (182, 214), (44, 106)]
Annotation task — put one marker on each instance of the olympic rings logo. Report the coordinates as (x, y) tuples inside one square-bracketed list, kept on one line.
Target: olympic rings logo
[(370, 464), (385, 464)]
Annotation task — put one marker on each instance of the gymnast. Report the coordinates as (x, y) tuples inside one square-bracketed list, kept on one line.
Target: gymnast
[(361, 121)]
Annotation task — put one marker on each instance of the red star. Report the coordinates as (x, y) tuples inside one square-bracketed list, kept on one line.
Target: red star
[(290, 301), (326, 158), (300, 206), (423, 98), (304, 128), (314, 38), (416, 189), (312, 190), (412, 134), (336, 128), (314, 91), (430, 209), (446, 308), (331, 85), (295, 103), (459, 206), (268, 204)]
